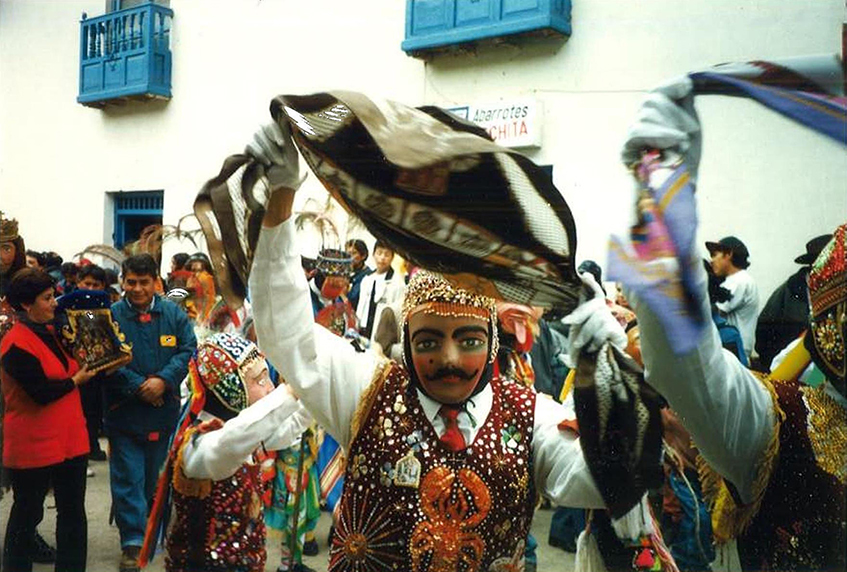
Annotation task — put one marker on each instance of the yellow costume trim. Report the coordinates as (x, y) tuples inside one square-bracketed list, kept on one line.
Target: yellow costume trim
[(729, 519), (568, 387), (368, 397), (827, 430), (200, 488)]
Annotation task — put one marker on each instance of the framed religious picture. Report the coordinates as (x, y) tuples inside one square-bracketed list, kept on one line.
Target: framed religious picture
[(94, 338)]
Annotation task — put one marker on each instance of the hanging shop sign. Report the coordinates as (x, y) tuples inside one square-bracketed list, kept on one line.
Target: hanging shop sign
[(511, 123)]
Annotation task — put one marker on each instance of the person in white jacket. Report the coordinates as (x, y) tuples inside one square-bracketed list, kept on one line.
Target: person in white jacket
[(381, 289)]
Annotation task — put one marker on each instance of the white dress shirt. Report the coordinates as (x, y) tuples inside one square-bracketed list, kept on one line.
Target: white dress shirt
[(330, 377), (275, 422)]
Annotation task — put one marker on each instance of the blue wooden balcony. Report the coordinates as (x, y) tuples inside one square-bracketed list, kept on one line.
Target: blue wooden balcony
[(125, 55), (444, 25)]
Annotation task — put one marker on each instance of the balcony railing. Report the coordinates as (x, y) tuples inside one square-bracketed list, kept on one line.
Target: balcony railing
[(125, 55)]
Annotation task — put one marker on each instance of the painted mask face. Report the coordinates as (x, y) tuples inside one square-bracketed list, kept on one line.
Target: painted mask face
[(7, 255), (334, 286), (258, 380), (449, 354)]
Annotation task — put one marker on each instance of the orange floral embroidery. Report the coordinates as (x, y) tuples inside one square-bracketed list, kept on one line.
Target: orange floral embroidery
[(447, 533)]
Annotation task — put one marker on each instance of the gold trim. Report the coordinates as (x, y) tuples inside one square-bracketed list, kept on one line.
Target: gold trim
[(728, 519), (367, 399), (199, 488), (827, 429)]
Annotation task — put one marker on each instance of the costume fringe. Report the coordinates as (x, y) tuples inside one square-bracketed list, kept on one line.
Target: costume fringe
[(368, 397), (728, 519), (199, 488)]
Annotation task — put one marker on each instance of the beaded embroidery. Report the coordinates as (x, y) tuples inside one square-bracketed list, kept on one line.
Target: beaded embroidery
[(827, 426), (468, 508)]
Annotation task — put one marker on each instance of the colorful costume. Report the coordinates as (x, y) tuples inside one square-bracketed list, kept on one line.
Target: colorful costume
[(279, 515), (214, 473), (408, 501)]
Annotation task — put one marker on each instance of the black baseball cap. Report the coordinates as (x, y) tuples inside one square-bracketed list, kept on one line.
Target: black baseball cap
[(733, 245)]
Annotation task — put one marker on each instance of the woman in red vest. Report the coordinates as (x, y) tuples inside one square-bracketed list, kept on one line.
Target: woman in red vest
[(46, 441)]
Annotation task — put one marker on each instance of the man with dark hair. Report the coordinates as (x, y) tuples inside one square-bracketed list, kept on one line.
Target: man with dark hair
[(35, 259), (142, 398), (359, 251), (730, 262)]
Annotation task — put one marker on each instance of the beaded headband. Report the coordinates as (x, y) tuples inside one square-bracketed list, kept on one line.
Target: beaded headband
[(431, 294), (828, 301), (334, 262), (8, 229)]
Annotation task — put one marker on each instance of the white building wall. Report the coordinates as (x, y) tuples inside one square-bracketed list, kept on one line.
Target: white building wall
[(769, 182)]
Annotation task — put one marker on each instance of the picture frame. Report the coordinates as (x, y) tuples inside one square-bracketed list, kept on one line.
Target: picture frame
[(96, 340)]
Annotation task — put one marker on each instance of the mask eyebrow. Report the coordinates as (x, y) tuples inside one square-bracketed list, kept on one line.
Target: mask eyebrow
[(470, 330), (431, 331)]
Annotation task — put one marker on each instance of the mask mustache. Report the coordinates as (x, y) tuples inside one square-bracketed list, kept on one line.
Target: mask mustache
[(451, 372)]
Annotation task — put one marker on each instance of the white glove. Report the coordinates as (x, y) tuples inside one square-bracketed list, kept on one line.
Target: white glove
[(666, 121), (273, 147), (592, 323)]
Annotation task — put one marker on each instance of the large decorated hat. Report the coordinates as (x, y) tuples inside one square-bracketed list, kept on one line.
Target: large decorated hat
[(441, 193), (218, 371), (433, 187), (828, 305), (334, 262)]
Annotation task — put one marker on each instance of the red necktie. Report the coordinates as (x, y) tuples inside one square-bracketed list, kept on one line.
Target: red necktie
[(452, 437)]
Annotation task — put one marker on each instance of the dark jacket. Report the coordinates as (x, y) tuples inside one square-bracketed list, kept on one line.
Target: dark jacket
[(161, 346), (784, 317)]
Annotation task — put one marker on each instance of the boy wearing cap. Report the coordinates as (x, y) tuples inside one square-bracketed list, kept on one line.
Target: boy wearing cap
[(729, 261)]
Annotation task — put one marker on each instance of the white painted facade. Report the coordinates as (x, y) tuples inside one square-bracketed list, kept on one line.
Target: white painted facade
[(769, 182)]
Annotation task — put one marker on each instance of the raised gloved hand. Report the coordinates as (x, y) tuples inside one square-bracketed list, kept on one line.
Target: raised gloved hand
[(666, 121), (273, 147), (592, 323)]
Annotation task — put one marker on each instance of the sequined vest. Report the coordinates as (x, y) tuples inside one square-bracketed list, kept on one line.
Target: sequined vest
[(800, 524), (410, 503), (217, 525)]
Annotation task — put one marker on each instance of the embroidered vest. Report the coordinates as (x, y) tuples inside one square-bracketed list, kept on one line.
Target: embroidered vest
[(409, 503), (217, 525), (801, 522)]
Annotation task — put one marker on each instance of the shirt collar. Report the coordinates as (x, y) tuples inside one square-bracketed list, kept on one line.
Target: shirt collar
[(479, 405), (149, 308)]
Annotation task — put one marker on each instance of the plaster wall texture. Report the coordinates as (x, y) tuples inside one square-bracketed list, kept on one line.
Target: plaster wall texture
[(769, 182)]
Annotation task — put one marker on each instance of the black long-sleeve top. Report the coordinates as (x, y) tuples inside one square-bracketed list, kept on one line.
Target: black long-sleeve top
[(26, 368)]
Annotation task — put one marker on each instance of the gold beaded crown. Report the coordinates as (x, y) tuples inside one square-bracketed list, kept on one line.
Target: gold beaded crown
[(433, 294), (8, 229)]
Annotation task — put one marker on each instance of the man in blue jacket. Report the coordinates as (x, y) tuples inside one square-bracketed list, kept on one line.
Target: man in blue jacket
[(142, 398)]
